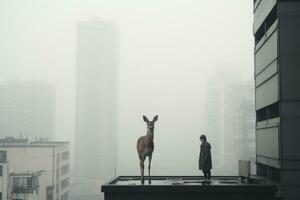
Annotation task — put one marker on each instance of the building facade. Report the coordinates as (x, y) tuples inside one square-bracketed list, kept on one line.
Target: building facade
[(35, 170), (27, 110), (96, 104), (277, 60), (4, 178)]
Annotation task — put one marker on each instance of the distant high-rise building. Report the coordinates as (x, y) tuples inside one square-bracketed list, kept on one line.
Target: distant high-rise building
[(228, 123), (96, 104), (245, 126), (27, 110), (277, 96), (213, 124)]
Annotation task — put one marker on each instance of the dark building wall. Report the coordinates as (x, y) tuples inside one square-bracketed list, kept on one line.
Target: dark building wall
[(277, 70), (289, 66)]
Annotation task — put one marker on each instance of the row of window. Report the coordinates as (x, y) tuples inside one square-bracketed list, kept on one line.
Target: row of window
[(264, 27), (268, 112), (267, 171)]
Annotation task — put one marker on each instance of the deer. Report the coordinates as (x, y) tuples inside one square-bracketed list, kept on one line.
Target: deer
[(145, 147)]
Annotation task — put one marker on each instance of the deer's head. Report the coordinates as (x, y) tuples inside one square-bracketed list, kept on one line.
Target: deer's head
[(150, 124)]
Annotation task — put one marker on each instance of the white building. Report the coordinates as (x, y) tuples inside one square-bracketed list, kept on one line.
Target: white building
[(3, 178), (41, 163), (96, 103)]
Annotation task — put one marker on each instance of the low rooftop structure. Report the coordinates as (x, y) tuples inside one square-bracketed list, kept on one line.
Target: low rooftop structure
[(21, 142), (188, 188)]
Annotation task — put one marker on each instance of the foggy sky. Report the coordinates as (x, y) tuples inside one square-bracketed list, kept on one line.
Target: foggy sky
[(168, 49)]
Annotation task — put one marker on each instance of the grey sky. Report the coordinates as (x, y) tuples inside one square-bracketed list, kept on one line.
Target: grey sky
[(168, 49)]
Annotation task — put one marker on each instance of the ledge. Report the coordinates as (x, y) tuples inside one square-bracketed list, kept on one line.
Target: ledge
[(187, 187)]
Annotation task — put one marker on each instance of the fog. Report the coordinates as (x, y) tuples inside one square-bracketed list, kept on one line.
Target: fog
[(168, 53)]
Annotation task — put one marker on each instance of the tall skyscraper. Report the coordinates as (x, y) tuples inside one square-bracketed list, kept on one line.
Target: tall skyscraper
[(277, 100), (96, 104), (27, 110)]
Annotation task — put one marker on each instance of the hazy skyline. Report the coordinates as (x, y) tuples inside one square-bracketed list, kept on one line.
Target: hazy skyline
[(168, 50), (27, 110)]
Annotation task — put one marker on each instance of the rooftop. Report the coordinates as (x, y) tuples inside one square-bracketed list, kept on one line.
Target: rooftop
[(28, 173), (21, 142), (189, 188)]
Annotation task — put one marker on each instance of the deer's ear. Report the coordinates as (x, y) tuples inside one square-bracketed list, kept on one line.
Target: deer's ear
[(145, 118), (155, 118)]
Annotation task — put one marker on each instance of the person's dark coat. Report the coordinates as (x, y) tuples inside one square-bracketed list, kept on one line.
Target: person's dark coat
[(205, 157)]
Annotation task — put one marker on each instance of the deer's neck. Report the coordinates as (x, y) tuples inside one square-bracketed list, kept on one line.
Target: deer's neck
[(150, 133)]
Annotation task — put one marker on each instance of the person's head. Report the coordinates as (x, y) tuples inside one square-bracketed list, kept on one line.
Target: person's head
[(203, 138)]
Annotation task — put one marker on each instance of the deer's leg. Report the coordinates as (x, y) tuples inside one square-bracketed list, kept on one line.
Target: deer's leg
[(142, 170), (149, 166)]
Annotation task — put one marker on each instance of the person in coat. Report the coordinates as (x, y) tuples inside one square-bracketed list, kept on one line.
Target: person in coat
[(205, 163)]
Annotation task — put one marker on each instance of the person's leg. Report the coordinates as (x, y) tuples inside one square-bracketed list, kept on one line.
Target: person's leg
[(208, 174), (205, 174)]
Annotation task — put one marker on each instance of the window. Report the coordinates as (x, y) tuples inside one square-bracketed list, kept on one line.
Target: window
[(25, 184), (64, 169), (1, 171), (65, 155), (267, 171), (65, 183), (49, 193), (19, 184), (29, 183), (264, 27), (268, 112), (273, 111), (3, 157), (261, 114)]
